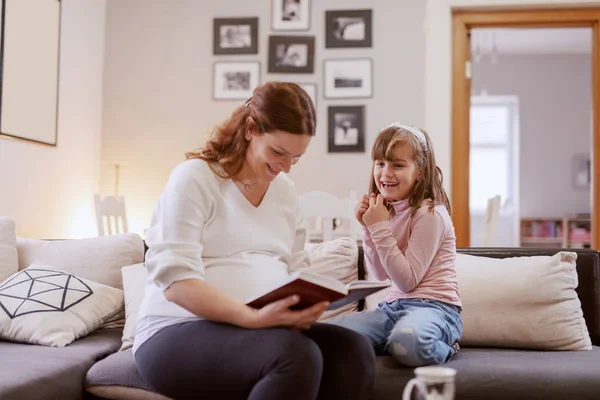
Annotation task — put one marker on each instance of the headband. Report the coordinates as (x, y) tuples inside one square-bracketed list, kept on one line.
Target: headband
[(415, 131)]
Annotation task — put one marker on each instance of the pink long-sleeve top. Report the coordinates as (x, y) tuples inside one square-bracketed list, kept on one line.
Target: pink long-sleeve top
[(418, 253)]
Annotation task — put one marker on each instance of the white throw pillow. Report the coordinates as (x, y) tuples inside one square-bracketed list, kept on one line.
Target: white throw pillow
[(98, 259), (134, 287), (42, 305), (521, 302), (337, 259), (9, 262)]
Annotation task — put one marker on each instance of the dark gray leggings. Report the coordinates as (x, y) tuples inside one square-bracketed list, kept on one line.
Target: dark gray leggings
[(210, 360)]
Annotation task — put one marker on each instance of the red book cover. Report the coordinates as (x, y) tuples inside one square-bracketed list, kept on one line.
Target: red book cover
[(313, 288)]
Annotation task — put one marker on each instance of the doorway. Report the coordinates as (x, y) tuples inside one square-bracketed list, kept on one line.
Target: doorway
[(463, 23)]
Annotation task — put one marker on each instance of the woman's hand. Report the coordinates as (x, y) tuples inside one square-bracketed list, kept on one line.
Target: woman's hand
[(361, 207), (278, 313), (377, 211)]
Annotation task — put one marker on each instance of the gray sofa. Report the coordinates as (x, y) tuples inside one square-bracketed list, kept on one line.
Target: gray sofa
[(92, 367)]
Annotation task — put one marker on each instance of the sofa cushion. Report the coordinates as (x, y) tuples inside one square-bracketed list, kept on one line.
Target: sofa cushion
[(521, 302), (9, 262), (48, 373), (337, 259), (492, 374), (134, 285), (97, 259), (42, 305), (117, 377), (481, 374)]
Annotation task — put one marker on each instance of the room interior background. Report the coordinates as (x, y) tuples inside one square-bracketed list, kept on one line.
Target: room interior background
[(136, 89)]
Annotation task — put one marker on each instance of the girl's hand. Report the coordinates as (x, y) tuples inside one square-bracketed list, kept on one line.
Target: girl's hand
[(361, 207), (377, 211), (279, 314)]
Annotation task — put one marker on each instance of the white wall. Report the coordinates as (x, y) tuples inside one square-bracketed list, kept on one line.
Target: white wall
[(48, 190), (158, 89), (438, 64)]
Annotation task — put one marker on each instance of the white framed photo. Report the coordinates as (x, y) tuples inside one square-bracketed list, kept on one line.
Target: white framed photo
[(348, 78), (290, 15), (311, 90), (235, 80)]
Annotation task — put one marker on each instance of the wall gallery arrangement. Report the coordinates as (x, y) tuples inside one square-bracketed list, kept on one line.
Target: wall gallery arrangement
[(348, 78)]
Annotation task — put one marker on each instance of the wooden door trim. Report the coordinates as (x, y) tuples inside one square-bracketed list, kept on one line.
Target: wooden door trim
[(462, 22)]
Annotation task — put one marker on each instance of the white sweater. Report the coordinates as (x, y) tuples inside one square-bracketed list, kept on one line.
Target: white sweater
[(204, 228)]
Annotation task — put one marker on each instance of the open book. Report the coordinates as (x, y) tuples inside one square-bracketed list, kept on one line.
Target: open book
[(313, 288)]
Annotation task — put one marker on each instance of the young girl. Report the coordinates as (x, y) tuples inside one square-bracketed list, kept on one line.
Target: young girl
[(408, 237)]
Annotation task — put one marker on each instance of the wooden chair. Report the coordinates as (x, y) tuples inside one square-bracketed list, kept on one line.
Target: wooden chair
[(323, 208), (110, 215)]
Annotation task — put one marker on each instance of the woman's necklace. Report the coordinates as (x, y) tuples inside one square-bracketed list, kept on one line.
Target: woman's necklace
[(247, 186)]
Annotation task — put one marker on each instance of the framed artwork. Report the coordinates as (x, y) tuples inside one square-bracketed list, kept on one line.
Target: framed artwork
[(235, 36), (346, 129), (30, 71), (290, 15), (235, 80), (292, 54), (348, 78), (348, 28), (311, 90)]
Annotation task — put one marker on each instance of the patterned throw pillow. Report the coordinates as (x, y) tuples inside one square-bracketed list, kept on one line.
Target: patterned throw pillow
[(42, 305)]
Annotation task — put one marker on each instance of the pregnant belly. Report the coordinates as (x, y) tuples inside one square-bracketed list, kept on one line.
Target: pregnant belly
[(243, 278)]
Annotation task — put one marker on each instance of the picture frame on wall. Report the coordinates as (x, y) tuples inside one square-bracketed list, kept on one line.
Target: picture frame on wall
[(235, 36), (348, 78), (290, 15), (581, 171), (235, 80), (311, 90), (346, 129), (348, 28), (292, 54)]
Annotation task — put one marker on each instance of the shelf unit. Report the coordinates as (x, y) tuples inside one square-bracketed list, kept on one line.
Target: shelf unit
[(571, 231), (578, 234)]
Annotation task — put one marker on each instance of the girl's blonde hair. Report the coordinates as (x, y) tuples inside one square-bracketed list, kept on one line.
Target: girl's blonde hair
[(274, 106), (429, 186)]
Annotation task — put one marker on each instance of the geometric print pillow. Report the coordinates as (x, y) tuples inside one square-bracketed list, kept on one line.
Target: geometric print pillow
[(42, 305)]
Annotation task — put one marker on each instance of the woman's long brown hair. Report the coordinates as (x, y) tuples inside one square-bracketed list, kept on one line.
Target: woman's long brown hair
[(274, 106)]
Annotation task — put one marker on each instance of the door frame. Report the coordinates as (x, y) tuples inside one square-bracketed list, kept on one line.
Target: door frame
[(462, 22)]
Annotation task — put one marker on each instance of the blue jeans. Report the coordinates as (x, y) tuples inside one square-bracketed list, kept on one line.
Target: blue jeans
[(415, 332)]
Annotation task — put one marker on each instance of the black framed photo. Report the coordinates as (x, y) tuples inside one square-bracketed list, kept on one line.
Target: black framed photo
[(235, 36), (311, 90), (348, 78), (348, 28), (346, 133), (235, 80), (292, 54), (290, 15)]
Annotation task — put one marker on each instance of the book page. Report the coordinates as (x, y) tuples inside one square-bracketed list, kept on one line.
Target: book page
[(367, 284), (358, 293)]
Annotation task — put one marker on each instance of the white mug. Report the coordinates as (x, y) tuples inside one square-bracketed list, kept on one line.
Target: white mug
[(434, 383)]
